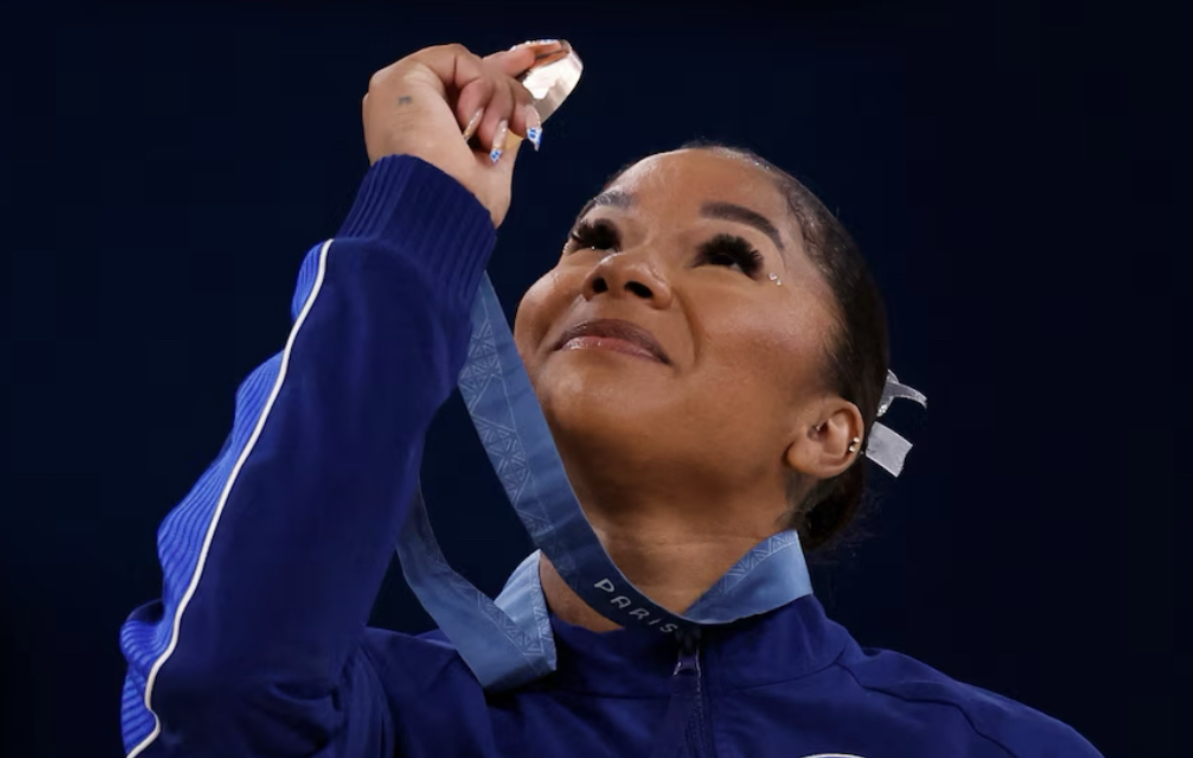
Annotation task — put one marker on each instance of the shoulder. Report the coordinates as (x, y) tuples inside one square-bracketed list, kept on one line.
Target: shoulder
[(1020, 731), (436, 705), (419, 672), (417, 662)]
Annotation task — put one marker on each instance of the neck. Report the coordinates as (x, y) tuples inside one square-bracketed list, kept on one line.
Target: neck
[(671, 548)]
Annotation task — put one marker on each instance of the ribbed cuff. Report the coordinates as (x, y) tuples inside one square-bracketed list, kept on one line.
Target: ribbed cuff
[(418, 211)]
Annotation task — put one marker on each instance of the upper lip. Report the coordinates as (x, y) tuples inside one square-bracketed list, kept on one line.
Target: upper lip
[(615, 329)]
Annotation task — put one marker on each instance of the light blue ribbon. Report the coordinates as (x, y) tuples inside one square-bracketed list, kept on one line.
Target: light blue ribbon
[(509, 642)]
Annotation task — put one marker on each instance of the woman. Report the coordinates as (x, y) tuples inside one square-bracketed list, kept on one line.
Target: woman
[(709, 354)]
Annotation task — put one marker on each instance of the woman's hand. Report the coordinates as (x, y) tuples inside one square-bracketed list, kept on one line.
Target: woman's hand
[(430, 103)]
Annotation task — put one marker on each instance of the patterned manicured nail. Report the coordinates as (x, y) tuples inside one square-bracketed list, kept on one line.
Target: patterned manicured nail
[(503, 130), (534, 127), (473, 122)]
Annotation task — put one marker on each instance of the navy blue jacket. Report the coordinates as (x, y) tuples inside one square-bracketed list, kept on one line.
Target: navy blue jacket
[(259, 645)]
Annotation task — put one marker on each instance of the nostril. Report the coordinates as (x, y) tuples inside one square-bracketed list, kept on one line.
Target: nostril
[(639, 289), (599, 285)]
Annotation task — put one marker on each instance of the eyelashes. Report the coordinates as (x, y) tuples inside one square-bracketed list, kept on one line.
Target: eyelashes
[(598, 235), (727, 249), (722, 250)]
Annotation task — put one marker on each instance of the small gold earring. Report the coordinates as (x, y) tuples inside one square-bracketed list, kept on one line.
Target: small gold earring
[(853, 443)]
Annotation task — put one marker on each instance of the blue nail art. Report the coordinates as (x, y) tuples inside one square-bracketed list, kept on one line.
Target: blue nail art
[(495, 154), (535, 135)]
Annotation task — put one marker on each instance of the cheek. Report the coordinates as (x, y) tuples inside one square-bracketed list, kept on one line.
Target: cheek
[(766, 359), (540, 307)]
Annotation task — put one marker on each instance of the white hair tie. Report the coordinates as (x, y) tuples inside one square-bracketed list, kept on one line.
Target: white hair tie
[(887, 447)]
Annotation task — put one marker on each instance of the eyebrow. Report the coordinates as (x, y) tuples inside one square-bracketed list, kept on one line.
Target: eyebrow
[(615, 198), (741, 214), (719, 210)]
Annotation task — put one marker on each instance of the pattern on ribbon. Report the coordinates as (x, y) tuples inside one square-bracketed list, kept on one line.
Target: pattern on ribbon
[(750, 561), (509, 642)]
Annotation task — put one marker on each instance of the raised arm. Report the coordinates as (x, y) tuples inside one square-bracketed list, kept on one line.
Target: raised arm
[(272, 562)]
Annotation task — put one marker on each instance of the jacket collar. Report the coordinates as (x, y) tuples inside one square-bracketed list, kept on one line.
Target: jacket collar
[(790, 642)]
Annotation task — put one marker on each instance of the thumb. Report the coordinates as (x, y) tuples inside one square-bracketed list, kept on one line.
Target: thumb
[(509, 155), (498, 178), (519, 58)]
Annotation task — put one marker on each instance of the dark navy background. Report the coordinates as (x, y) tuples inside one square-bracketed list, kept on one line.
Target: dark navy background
[(1004, 169)]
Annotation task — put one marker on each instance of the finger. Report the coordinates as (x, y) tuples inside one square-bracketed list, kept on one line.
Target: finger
[(533, 130), (505, 162), (455, 65), (498, 114), (521, 121), (519, 58), (525, 121), (520, 118), (477, 96), (472, 102), (490, 101)]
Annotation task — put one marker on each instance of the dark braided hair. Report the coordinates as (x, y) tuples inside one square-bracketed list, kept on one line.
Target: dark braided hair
[(856, 357)]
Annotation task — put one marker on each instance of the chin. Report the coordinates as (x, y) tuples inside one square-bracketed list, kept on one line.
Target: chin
[(601, 399)]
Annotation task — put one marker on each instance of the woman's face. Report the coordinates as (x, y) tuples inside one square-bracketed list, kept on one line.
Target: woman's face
[(684, 328)]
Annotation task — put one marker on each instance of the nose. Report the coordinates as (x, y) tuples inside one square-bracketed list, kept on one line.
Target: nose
[(627, 275)]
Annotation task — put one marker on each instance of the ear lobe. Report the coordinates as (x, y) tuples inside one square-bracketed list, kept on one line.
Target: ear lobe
[(821, 450)]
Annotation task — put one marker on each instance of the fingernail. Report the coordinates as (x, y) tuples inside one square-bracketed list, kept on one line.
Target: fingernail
[(534, 127), (503, 130), (473, 122), (529, 43)]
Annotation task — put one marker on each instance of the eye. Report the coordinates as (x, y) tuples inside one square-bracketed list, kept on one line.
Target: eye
[(731, 251), (598, 235)]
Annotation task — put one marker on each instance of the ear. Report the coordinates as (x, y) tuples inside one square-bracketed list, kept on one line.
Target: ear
[(820, 447)]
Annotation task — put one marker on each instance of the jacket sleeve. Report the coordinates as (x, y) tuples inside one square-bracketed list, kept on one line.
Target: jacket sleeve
[(272, 561)]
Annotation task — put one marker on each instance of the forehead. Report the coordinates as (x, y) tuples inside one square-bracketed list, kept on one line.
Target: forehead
[(683, 181), (679, 186)]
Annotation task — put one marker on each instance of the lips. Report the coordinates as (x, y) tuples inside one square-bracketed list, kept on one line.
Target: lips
[(632, 336)]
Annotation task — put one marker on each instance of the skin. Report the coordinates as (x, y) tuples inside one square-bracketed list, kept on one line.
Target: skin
[(682, 467), (422, 104)]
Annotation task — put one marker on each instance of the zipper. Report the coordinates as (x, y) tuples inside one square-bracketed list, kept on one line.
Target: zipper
[(684, 729), (697, 737)]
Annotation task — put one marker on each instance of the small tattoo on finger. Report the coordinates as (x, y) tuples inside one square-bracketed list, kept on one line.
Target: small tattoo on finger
[(405, 100)]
